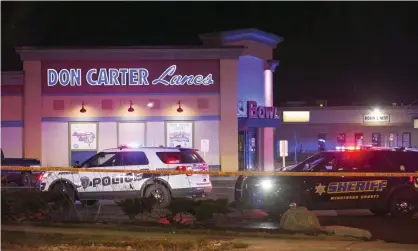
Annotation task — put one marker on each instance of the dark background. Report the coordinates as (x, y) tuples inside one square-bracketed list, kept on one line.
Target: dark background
[(340, 51)]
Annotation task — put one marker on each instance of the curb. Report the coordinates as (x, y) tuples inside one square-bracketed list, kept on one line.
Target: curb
[(128, 230)]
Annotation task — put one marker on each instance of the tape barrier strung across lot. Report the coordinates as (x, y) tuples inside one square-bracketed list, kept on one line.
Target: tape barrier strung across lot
[(246, 173)]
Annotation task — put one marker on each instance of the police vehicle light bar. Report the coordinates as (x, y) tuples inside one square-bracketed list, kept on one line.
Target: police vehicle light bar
[(131, 145), (342, 148)]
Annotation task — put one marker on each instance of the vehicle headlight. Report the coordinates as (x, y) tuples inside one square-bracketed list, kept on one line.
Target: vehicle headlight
[(266, 184)]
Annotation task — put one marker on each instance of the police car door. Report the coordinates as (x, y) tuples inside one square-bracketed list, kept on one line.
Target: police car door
[(97, 185), (318, 185), (350, 192), (132, 181)]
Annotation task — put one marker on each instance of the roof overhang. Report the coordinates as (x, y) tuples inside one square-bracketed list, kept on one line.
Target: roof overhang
[(244, 123), (128, 53), (244, 34)]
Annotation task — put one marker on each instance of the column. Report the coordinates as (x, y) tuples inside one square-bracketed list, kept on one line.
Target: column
[(267, 134), (228, 126), (32, 110)]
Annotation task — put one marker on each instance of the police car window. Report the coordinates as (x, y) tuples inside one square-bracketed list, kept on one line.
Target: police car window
[(103, 160), (322, 164), (355, 161), (134, 159), (387, 161), (182, 157), (410, 161), (302, 165)]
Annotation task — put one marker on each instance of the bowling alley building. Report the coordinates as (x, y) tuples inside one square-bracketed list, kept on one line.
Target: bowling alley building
[(67, 104)]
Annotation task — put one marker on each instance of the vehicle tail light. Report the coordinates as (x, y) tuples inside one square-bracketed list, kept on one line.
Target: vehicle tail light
[(185, 169), (414, 180)]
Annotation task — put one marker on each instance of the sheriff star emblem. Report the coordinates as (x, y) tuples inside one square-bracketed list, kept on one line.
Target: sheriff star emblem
[(320, 189)]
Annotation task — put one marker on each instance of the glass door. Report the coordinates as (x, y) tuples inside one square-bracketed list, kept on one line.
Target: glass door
[(241, 150), (406, 139), (247, 149)]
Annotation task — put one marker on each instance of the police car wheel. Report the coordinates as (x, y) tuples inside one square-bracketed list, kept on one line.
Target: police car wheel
[(402, 204), (66, 190), (26, 179), (160, 193)]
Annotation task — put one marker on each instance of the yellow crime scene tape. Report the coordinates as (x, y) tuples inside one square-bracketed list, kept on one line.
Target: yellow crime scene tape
[(245, 173)]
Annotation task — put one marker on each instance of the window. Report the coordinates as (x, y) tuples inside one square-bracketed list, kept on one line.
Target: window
[(385, 162), (134, 159), (355, 161), (341, 139), (326, 164), (358, 139), (410, 161), (103, 159), (322, 141), (181, 157), (376, 139), (393, 139), (406, 139), (317, 163)]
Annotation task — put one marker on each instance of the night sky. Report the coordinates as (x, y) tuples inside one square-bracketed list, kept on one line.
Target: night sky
[(340, 51)]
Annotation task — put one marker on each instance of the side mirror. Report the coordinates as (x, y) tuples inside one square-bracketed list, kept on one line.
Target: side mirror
[(76, 164), (306, 166)]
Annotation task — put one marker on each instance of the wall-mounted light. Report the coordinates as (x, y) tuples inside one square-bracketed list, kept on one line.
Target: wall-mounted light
[(82, 110), (150, 104), (130, 109), (376, 112), (179, 110)]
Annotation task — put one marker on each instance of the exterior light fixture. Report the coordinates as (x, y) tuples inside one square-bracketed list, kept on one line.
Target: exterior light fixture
[(376, 112), (179, 110), (150, 104), (82, 110), (130, 109)]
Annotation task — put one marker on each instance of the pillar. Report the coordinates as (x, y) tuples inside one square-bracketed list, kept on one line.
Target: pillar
[(267, 134), (228, 126), (32, 110)]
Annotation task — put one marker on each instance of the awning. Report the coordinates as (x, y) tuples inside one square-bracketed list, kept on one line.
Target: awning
[(244, 123)]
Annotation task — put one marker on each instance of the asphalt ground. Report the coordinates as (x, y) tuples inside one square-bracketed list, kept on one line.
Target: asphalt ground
[(384, 228)]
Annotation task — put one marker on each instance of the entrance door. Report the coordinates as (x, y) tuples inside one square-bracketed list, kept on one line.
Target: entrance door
[(247, 149), (241, 150)]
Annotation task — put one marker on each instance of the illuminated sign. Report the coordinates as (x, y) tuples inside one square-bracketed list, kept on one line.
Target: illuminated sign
[(296, 116), (123, 76), (261, 112), (376, 118)]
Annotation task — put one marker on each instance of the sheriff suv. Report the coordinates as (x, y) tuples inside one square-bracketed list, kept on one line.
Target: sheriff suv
[(381, 195), (89, 187)]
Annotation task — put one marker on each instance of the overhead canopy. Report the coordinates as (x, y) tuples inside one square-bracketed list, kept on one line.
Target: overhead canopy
[(244, 123)]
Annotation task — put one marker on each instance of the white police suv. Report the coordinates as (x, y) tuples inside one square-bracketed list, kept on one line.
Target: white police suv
[(89, 187)]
